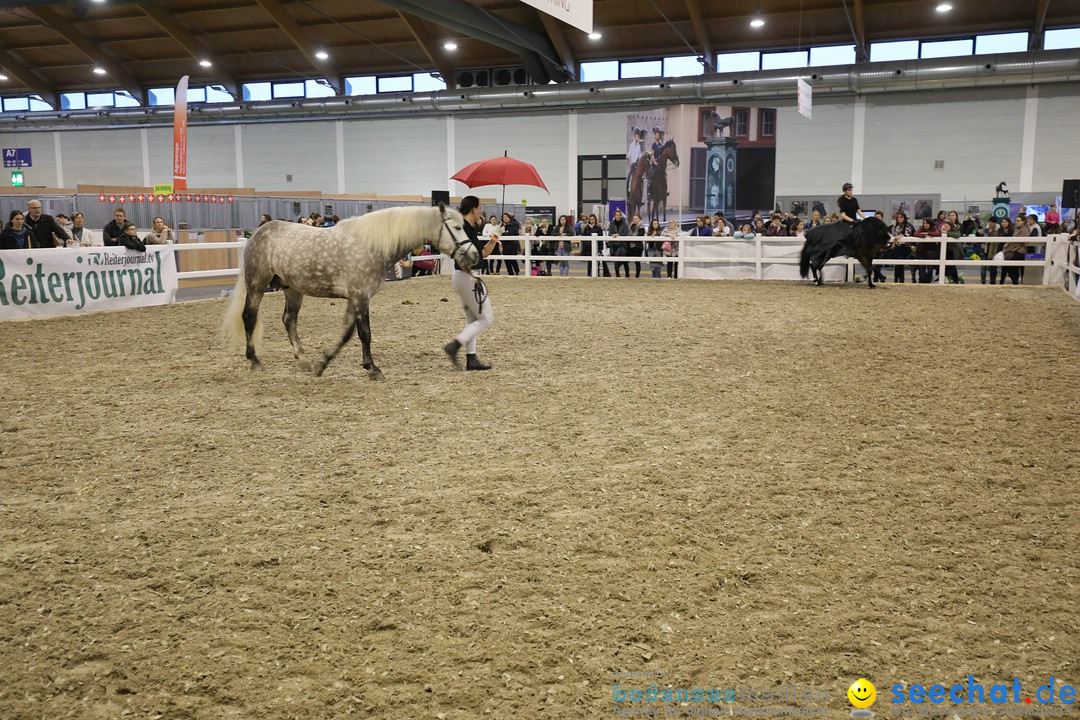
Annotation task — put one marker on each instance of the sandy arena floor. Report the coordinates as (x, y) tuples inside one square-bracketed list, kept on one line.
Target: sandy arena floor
[(739, 484)]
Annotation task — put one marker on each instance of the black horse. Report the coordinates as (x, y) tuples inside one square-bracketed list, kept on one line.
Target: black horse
[(861, 241)]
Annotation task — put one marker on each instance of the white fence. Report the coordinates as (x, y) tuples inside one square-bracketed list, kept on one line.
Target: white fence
[(761, 258)]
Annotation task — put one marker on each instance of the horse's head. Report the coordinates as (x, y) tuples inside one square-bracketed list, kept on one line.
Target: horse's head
[(875, 232), (454, 242), (670, 152)]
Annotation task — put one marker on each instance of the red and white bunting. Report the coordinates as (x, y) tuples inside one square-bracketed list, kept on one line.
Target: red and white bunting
[(131, 197), (187, 198), (101, 197), (161, 198), (140, 197), (206, 198), (112, 198), (230, 199)]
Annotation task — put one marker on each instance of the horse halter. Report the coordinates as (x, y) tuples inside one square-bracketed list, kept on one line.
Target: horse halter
[(458, 245)]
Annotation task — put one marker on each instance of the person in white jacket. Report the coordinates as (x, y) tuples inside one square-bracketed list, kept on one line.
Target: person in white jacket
[(83, 236)]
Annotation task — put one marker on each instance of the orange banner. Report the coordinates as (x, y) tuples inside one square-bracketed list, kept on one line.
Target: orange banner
[(180, 136)]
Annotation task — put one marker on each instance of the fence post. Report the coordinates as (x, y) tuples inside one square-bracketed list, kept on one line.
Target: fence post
[(528, 255), (680, 270), (757, 254), (594, 250), (944, 240)]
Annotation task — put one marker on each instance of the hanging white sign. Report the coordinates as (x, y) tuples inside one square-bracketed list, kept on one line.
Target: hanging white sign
[(806, 97), (578, 13)]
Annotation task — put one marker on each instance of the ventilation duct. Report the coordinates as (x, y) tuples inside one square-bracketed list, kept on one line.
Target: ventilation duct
[(987, 71), (535, 50)]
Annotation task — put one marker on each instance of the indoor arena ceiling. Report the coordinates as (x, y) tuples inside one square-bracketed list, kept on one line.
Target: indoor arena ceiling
[(51, 47)]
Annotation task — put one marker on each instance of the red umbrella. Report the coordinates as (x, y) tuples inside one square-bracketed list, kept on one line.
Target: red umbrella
[(499, 171)]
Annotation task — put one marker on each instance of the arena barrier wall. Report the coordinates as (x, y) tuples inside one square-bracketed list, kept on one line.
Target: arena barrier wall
[(69, 281), (763, 258)]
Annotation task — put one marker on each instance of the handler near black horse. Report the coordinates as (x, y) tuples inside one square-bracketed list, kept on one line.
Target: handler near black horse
[(472, 292)]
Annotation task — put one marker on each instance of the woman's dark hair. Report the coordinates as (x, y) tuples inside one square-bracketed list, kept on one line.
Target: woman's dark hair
[(14, 213), (468, 204)]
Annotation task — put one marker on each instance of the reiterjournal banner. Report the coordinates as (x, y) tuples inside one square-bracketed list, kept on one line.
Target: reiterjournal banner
[(71, 281), (180, 136)]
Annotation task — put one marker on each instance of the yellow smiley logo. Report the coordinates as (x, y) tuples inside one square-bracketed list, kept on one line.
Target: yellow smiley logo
[(862, 693)]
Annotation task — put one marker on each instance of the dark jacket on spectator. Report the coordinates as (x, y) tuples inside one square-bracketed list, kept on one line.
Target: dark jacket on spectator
[(42, 231), (11, 240), (111, 233)]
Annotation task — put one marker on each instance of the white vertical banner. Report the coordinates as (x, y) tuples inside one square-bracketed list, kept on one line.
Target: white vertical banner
[(805, 94), (578, 13)]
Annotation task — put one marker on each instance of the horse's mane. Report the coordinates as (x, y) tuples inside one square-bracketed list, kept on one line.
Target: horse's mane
[(393, 230), (669, 143)]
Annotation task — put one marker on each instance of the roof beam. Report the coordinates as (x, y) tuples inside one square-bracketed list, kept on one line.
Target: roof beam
[(558, 40), (698, 20), (1038, 28), (28, 77), (426, 43), (77, 37), (192, 45), (300, 38), (862, 50)]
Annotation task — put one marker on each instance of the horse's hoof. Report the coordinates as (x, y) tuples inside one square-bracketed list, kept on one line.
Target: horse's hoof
[(256, 365), (320, 368), (306, 365), (376, 375)]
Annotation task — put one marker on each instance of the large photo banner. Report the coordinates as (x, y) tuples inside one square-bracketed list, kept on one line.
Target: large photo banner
[(683, 161), (71, 281)]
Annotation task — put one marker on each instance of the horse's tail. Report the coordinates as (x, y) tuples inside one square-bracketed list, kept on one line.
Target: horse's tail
[(804, 259), (232, 325)]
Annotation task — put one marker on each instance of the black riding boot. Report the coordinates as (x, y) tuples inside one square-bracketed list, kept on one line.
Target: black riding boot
[(473, 363), (451, 349)]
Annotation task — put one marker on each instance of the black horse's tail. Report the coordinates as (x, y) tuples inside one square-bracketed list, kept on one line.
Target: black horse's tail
[(804, 260)]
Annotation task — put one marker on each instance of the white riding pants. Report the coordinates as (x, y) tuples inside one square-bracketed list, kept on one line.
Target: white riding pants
[(478, 314)]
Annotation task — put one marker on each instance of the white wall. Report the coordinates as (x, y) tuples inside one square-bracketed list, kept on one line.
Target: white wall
[(537, 139), (979, 134), (1057, 138), (272, 151), (809, 151), (395, 157), (984, 136)]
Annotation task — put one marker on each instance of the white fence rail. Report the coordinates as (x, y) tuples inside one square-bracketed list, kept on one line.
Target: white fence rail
[(757, 258), (1072, 268)]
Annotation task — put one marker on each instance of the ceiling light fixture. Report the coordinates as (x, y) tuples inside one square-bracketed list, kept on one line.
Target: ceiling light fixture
[(944, 7), (594, 35), (3, 77), (757, 21), (450, 45), (99, 71), (322, 55), (205, 63)]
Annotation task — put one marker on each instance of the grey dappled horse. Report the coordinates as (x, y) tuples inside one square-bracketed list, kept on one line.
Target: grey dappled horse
[(350, 261)]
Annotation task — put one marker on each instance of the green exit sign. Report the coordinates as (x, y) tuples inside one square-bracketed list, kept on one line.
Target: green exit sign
[(17, 179)]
